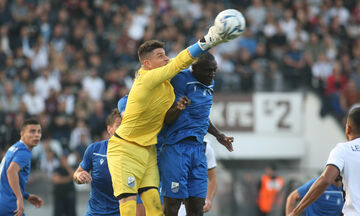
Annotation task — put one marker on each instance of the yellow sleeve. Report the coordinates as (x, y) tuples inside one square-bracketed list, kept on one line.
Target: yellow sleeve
[(153, 78)]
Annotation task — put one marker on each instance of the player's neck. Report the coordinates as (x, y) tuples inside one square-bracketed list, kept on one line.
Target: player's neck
[(27, 145), (143, 67), (353, 136)]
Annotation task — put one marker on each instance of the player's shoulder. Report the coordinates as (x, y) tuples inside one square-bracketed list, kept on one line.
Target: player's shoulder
[(182, 77), (184, 73), (343, 146), (19, 147), (122, 103), (124, 98), (96, 146)]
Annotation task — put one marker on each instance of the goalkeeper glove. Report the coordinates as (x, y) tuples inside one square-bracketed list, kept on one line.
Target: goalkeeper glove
[(211, 39)]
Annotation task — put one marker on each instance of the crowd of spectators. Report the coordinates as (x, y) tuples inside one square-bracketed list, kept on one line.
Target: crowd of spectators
[(67, 62)]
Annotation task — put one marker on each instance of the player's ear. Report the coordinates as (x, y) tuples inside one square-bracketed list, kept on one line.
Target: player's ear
[(108, 129), (147, 63), (348, 129)]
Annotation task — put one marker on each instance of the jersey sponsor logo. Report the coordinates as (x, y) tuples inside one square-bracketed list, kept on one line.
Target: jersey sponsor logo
[(101, 161), (327, 197), (175, 187), (131, 181)]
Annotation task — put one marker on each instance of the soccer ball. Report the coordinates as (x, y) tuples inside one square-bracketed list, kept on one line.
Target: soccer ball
[(230, 24)]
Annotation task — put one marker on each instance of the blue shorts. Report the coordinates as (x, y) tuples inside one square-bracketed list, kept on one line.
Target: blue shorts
[(139, 201), (183, 170)]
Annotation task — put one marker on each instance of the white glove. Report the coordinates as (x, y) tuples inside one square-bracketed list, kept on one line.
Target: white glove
[(211, 39)]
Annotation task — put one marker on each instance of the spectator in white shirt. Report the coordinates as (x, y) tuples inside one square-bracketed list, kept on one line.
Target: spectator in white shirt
[(340, 11), (9, 102), (39, 54), (68, 97), (94, 85), (321, 70), (77, 133), (288, 24), (344, 160), (256, 14), (44, 83), (34, 103)]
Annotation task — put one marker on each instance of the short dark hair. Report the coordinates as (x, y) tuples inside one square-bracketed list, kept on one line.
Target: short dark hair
[(27, 122), (354, 118), (147, 47), (204, 60), (112, 117)]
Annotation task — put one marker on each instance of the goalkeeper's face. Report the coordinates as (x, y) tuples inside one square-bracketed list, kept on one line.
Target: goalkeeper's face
[(156, 59)]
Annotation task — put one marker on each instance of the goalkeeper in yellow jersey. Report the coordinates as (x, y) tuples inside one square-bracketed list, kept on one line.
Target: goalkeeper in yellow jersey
[(131, 151)]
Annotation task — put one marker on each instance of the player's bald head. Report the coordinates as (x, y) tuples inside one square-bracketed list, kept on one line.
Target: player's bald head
[(205, 60), (145, 49)]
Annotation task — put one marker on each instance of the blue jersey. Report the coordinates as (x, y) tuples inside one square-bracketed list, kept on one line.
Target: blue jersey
[(122, 104), (20, 154), (194, 120), (329, 203), (102, 201)]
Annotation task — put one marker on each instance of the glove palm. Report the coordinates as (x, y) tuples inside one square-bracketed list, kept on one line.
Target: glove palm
[(212, 39)]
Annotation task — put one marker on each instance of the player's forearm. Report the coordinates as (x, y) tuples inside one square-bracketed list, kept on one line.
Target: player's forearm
[(172, 115), (13, 178), (213, 130), (76, 178), (290, 203), (313, 194), (211, 190)]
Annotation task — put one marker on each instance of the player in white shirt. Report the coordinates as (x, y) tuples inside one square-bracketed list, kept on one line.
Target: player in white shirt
[(212, 182), (344, 159)]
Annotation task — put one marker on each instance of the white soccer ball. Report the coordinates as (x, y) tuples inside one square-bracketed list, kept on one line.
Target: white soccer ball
[(230, 24)]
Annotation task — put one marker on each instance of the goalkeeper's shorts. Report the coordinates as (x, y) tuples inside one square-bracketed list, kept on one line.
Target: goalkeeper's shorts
[(131, 166)]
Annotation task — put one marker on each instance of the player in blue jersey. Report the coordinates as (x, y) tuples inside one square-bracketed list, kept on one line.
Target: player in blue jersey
[(171, 115), (329, 203), (93, 168), (15, 170), (182, 165)]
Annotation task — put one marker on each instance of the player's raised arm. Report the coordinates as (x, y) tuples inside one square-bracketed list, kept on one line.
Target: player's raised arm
[(228, 25)]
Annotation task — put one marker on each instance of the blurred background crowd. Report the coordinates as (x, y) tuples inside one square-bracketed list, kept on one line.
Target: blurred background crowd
[(68, 62)]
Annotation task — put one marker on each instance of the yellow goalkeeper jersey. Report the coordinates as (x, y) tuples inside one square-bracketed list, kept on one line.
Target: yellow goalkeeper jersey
[(149, 99)]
